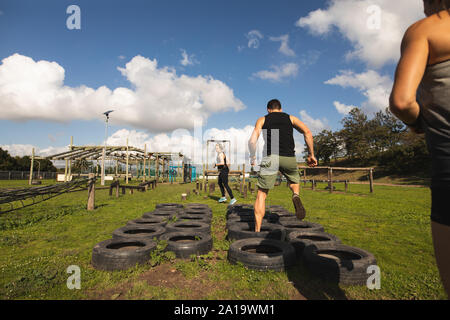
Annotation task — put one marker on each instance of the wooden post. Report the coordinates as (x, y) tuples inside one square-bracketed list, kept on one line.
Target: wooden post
[(31, 167), (243, 173), (65, 171), (126, 171), (331, 180), (145, 155), (157, 168), (346, 185), (117, 189), (70, 160), (371, 180), (304, 177), (91, 193), (313, 185), (328, 175), (204, 175), (245, 191)]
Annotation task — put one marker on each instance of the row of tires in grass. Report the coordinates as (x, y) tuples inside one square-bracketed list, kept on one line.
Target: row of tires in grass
[(284, 241), (185, 229)]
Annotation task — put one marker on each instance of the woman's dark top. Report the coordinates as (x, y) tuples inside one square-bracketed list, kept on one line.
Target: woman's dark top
[(434, 100), (278, 133)]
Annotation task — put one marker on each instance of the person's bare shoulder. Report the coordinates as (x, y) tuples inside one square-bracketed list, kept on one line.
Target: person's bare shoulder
[(422, 27), (260, 122)]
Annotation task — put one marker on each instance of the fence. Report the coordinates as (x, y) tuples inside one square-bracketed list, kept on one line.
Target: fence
[(25, 175)]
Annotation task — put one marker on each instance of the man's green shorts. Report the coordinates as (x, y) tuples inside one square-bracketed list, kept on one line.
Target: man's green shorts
[(269, 170)]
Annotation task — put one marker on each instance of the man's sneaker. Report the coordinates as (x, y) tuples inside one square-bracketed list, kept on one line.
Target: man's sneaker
[(233, 201), (222, 200), (299, 209)]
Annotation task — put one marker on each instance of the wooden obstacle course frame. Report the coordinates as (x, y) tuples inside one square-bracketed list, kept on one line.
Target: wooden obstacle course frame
[(330, 176), (121, 154)]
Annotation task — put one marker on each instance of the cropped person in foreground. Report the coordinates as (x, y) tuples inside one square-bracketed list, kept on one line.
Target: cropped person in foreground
[(278, 155), (421, 99)]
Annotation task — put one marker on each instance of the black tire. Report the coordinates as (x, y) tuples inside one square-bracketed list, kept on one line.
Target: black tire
[(193, 227), (275, 208), (240, 208), (148, 222), (174, 211), (292, 225), (204, 213), (169, 205), (283, 215), (250, 218), (165, 215), (244, 215), (196, 206), (199, 243), (301, 239), (339, 263), (238, 215), (121, 254), (194, 218), (244, 230), (138, 232), (262, 254)]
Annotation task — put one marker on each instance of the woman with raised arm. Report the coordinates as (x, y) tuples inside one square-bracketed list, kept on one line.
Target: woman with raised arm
[(421, 99)]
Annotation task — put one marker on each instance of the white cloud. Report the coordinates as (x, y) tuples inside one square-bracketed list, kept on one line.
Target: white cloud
[(278, 73), (160, 100), (371, 84), (353, 19), (315, 125), (27, 149), (192, 146), (342, 108), (284, 48), (121, 57), (187, 60), (254, 38)]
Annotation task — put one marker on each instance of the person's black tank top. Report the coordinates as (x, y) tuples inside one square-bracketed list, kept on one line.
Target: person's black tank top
[(278, 124)]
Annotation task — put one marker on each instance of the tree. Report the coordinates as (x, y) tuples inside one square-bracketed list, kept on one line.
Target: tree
[(6, 161), (384, 131), (326, 145), (81, 165), (355, 135)]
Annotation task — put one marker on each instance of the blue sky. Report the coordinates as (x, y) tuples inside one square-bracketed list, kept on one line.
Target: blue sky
[(214, 34)]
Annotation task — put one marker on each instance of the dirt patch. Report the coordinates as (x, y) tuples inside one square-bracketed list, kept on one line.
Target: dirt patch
[(163, 276)]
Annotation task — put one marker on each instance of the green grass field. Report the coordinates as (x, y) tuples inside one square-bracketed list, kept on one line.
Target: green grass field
[(38, 243)]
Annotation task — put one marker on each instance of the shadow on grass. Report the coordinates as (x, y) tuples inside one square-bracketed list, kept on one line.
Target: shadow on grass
[(312, 287), (215, 198)]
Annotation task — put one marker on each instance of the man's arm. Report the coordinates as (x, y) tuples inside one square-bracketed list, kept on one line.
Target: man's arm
[(409, 73), (303, 129), (254, 139)]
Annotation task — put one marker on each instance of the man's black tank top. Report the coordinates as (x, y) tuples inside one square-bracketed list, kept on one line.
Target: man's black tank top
[(278, 125)]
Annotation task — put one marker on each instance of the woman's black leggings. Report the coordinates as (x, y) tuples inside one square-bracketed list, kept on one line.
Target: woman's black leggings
[(223, 183)]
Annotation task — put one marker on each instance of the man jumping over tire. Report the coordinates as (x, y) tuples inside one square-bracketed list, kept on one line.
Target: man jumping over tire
[(279, 155)]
